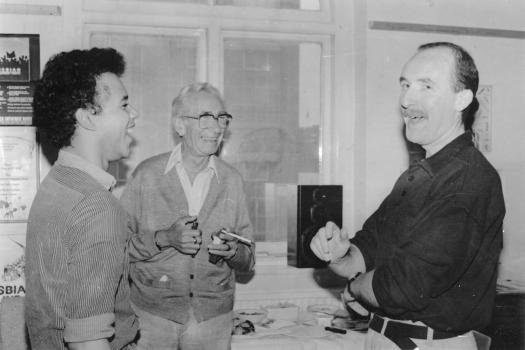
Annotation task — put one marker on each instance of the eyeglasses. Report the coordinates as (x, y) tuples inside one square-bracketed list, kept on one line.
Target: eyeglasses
[(207, 120)]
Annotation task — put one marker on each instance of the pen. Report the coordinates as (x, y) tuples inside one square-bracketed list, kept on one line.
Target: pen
[(335, 330), (240, 238)]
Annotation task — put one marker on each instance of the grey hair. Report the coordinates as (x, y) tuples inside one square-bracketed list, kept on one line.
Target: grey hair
[(183, 99)]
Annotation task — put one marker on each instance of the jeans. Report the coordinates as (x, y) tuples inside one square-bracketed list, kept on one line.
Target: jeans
[(157, 333)]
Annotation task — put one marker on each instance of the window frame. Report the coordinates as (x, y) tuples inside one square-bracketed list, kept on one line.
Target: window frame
[(199, 33), (323, 15), (274, 253), (212, 30)]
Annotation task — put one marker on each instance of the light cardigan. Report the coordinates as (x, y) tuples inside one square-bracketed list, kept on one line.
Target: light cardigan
[(166, 283)]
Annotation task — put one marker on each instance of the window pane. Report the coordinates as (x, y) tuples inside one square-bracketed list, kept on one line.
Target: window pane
[(276, 4), (157, 67), (272, 89)]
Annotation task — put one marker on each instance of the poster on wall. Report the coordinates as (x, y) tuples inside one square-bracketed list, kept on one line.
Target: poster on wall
[(12, 262), (19, 175), (482, 121), (19, 69)]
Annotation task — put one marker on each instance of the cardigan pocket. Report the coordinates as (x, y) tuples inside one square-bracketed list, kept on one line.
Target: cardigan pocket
[(227, 282), (160, 281), (217, 280)]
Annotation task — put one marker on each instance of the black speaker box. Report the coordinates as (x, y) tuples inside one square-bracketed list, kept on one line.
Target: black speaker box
[(316, 205)]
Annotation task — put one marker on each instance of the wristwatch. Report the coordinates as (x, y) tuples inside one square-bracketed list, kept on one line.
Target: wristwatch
[(349, 291), (353, 304)]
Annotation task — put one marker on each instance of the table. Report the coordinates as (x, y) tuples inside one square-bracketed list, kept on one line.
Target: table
[(310, 338)]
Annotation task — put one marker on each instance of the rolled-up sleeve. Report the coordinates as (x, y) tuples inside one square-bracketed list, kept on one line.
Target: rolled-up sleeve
[(89, 328)]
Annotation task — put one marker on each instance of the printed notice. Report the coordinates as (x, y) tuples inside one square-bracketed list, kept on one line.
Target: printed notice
[(482, 122), (16, 101), (19, 69), (12, 263), (18, 172)]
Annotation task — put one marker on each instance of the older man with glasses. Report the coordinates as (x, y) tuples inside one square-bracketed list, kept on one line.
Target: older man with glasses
[(181, 204)]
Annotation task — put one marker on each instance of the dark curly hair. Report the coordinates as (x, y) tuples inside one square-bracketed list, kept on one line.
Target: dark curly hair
[(68, 83), (467, 77)]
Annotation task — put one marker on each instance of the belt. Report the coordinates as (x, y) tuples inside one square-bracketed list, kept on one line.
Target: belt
[(400, 333)]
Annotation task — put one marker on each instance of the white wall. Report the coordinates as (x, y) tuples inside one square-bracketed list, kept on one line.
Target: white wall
[(500, 14)]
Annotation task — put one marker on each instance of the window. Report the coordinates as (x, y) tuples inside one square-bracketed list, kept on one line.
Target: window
[(274, 84), (157, 66), (272, 88)]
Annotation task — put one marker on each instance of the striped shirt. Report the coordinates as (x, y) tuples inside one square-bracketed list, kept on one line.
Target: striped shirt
[(76, 260)]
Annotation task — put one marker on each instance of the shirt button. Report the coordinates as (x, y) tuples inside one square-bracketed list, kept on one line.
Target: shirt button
[(411, 178), (191, 294), (191, 276)]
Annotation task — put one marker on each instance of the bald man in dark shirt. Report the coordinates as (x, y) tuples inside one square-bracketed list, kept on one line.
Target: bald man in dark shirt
[(425, 263)]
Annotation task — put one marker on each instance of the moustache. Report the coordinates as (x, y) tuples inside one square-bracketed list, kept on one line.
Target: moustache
[(412, 112)]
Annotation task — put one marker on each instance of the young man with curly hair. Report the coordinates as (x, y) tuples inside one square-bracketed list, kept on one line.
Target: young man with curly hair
[(77, 262)]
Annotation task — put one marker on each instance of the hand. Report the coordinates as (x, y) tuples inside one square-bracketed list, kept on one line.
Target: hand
[(227, 249), (330, 243), (181, 236)]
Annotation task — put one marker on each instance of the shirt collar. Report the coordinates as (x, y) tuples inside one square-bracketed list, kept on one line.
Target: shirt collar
[(71, 160), (176, 158), (439, 160)]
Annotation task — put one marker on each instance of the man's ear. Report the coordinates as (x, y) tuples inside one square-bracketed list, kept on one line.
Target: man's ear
[(179, 126), (86, 118), (463, 99)]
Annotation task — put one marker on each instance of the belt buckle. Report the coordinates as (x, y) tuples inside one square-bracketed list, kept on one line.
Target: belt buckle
[(385, 324), (430, 335)]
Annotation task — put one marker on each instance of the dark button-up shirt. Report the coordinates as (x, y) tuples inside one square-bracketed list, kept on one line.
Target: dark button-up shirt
[(435, 240)]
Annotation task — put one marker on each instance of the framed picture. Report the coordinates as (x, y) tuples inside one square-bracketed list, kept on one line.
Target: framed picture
[(19, 69)]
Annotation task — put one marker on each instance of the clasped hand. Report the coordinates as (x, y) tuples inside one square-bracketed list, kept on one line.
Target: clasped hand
[(227, 249), (188, 240), (183, 237), (330, 243)]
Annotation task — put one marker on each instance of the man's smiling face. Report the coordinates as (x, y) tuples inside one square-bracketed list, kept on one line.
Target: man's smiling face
[(203, 142), (428, 100)]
